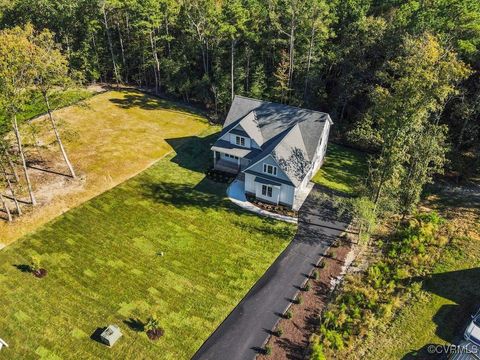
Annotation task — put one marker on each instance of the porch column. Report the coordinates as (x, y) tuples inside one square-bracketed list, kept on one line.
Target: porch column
[(214, 158)]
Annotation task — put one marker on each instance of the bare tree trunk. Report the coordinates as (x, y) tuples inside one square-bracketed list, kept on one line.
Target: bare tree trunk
[(168, 35), (12, 191), (115, 70), (291, 56), (10, 163), (57, 136), (247, 71), (7, 210), (97, 62), (124, 62), (462, 132), (157, 63), (232, 68), (202, 42), (24, 162), (309, 61)]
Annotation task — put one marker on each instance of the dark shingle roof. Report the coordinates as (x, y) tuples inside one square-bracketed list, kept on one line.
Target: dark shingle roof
[(290, 134)]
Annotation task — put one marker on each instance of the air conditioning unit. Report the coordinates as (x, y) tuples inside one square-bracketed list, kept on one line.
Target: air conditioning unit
[(110, 335)]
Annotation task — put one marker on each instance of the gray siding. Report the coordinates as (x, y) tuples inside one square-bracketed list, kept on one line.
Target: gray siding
[(258, 167)]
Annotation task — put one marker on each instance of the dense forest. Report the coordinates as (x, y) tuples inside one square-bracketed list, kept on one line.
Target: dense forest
[(400, 78)]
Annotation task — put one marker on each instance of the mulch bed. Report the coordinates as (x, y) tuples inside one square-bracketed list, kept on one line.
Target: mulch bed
[(155, 334), (277, 209), (40, 273), (293, 344)]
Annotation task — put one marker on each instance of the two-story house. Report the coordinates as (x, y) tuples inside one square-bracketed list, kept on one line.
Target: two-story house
[(276, 148)]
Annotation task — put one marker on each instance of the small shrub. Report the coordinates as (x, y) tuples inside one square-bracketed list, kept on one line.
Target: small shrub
[(299, 300), (278, 332), (153, 329), (321, 265), (288, 315), (332, 254), (35, 263), (315, 275), (267, 350), (306, 287), (36, 267), (317, 351)]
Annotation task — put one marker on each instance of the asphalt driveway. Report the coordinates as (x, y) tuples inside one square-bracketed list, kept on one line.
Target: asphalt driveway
[(247, 327)]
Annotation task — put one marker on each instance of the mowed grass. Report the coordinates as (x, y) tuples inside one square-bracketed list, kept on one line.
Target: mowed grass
[(343, 169), (109, 138), (104, 268)]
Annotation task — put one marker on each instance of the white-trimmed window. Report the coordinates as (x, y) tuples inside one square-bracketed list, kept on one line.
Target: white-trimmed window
[(269, 169), (267, 191), (231, 156), (239, 140)]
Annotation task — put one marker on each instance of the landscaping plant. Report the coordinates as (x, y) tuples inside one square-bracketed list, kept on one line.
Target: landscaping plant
[(153, 329), (36, 269)]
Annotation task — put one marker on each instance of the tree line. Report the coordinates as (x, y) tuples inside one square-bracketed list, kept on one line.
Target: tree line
[(400, 78)]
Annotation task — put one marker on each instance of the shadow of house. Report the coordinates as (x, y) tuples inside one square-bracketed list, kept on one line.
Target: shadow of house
[(193, 152), (461, 287)]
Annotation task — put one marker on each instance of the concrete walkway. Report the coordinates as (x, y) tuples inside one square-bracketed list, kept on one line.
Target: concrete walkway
[(236, 193), (245, 330)]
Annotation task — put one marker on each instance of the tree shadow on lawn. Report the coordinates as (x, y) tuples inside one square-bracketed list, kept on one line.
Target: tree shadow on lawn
[(463, 288), (326, 204), (135, 324), (134, 98), (23, 268), (425, 353), (444, 197)]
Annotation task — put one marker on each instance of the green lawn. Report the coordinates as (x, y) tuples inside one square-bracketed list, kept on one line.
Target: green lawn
[(343, 170), (104, 268)]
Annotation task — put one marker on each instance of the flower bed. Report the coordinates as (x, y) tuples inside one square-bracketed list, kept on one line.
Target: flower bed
[(277, 209)]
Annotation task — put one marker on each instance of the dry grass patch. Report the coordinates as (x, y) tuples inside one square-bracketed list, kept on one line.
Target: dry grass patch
[(109, 138)]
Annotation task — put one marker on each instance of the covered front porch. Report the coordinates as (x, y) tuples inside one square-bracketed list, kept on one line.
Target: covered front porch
[(226, 162)]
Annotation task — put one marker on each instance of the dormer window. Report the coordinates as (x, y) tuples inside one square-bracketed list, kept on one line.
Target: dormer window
[(239, 140), (269, 169)]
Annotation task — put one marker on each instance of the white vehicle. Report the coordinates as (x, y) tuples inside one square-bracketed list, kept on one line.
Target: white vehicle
[(472, 333), (465, 351)]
